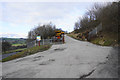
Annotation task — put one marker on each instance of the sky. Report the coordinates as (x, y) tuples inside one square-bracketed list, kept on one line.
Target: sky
[(18, 18)]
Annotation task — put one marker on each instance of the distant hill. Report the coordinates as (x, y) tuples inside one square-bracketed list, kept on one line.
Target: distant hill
[(14, 40)]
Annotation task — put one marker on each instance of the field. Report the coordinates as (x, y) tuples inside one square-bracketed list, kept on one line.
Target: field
[(15, 40), (18, 44), (27, 52), (11, 51)]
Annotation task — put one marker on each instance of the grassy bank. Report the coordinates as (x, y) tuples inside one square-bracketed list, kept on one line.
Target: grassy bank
[(73, 36), (27, 52), (11, 51), (103, 39)]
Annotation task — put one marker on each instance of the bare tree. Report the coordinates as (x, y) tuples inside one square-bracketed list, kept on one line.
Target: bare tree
[(106, 14), (45, 31)]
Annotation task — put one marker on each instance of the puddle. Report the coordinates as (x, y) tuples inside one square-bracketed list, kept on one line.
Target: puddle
[(38, 56), (59, 49)]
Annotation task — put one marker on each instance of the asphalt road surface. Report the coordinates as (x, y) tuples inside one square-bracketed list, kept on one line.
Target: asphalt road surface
[(74, 59)]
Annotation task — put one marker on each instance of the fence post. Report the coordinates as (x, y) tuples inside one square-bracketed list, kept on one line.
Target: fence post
[(63, 39), (35, 42), (43, 41), (51, 41)]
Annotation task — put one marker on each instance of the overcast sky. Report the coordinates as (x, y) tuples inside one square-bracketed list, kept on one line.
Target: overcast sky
[(18, 18)]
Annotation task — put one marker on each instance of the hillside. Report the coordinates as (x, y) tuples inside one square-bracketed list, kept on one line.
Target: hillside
[(87, 28)]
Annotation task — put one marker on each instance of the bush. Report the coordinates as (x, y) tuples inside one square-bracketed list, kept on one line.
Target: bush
[(5, 46), (108, 42)]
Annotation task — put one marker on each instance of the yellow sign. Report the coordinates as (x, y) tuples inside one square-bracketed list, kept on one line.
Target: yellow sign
[(58, 34), (62, 32)]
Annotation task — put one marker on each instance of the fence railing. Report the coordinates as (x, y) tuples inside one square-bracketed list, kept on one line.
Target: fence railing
[(95, 31), (31, 44), (42, 42)]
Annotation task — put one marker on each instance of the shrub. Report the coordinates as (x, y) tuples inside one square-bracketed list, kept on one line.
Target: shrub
[(108, 42), (5, 46)]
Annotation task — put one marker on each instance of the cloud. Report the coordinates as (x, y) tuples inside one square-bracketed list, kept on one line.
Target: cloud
[(64, 14), (13, 35), (31, 13), (57, 0), (20, 17)]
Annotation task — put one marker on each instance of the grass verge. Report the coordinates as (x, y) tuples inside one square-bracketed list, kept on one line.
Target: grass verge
[(18, 44), (27, 52), (106, 40), (103, 42), (73, 36), (11, 51)]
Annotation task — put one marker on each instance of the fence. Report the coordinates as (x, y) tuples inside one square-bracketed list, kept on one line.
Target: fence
[(95, 31), (0, 49), (42, 42), (31, 44)]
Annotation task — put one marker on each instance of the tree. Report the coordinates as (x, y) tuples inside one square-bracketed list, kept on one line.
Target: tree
[(105, 14), (5, 46), (45, 31), (77, 25)]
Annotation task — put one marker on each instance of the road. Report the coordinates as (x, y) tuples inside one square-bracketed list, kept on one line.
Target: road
[(74, 59)]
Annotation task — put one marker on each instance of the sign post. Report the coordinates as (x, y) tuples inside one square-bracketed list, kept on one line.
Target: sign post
[(63, 37), (39, 43), (38, 39)]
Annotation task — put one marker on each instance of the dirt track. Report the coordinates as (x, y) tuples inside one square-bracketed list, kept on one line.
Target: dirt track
[(74, 59)]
